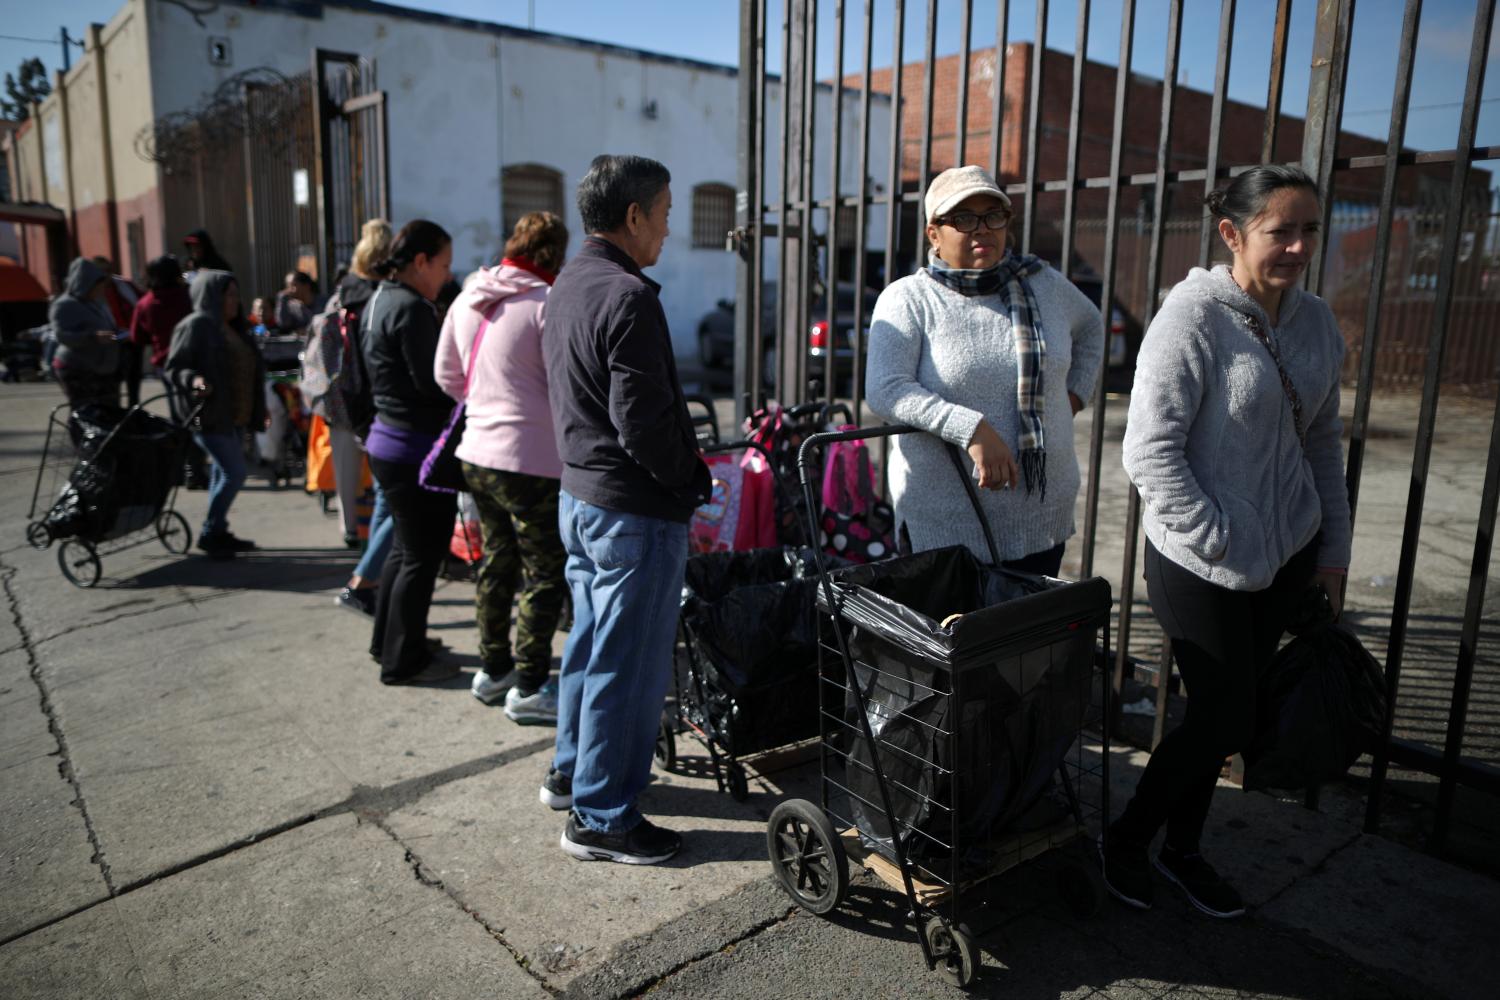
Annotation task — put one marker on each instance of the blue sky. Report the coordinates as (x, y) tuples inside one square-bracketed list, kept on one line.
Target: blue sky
[(708, 29)]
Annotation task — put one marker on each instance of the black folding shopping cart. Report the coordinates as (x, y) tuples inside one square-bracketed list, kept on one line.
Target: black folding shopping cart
[(111, 479), (745, 672), (953, 696)]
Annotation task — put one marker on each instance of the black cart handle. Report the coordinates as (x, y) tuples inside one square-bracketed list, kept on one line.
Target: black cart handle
[(723, 447), (806, 461)]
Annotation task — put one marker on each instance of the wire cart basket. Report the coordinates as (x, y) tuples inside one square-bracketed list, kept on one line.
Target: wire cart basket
[(953, 696), (745, 674), (111, 479)]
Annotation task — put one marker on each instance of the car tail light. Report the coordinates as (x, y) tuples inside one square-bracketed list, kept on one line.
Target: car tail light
[(819, 334)]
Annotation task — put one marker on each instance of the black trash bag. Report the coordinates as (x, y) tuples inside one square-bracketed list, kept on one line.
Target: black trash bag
[(750, 616), (1322, 704), (974, 717), (120, 483)]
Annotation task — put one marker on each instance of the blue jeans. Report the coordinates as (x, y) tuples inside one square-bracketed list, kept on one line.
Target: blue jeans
[(382, 530), (625, 572), (225, 480)]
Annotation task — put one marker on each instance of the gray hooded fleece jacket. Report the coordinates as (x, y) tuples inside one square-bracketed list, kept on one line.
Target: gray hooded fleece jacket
[(1228, 491), (76, 321), (198, 348)]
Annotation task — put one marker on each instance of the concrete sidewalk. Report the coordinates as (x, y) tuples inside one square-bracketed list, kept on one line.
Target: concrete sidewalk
[(207, 793)]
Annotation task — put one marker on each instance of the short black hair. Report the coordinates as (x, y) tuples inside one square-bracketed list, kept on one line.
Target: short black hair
[(1244, 198), (419, 236), (613, 184), (163, 272)]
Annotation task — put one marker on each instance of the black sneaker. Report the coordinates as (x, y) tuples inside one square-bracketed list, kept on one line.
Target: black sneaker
[(557, 791), (1127, 876), (644, 844), (214, 547), (361, 601), (239, 544), (1204, 888)]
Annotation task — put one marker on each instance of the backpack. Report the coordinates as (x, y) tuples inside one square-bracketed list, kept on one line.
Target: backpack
[(353, 383), (856, 524)]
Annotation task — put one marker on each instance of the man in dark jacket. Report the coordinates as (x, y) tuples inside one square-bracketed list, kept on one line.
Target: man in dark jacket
[(631, 479)]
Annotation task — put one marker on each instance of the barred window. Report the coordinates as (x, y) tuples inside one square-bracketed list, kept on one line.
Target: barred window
[(713, 215), (529, 187)]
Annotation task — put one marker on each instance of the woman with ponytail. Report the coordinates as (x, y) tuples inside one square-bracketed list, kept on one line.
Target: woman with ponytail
[(399, 342), (993, 352)]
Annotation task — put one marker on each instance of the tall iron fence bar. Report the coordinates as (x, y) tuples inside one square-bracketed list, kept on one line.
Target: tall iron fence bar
[(755, 377), (1153, 285), (1216, 121), (961, 129), (748, 210), (1034, 128), (836, 163), (784, 199), (1325, 104), (1107, 280), (924, 173), (1275, 80), (1468, 646), (1360, 422), (1484, 18), (893, 184), (1075, 138), (997, 112), (861, 219), (805, 249), (247, 95)]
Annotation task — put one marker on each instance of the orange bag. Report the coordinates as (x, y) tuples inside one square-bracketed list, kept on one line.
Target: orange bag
[(319, 458)]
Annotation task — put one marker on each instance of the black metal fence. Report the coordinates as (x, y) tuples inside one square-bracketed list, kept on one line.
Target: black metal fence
[(1414, 275)]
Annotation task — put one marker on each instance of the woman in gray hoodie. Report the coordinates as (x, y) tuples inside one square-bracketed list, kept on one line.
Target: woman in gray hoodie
[(87, 361), (211, 360), (1234, 443)]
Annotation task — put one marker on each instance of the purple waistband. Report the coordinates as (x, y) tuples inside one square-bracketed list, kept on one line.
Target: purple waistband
[(396, 444)]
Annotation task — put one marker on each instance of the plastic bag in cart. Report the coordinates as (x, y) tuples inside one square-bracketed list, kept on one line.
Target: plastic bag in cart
[(975, 716), (751, 615), (1322, 703), (122, 485)]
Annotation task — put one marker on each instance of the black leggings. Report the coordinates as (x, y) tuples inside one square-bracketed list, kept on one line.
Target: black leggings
[(1222, 641), (423, 521)]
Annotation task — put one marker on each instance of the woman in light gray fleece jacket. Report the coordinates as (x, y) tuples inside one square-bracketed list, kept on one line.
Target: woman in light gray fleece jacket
[(1234, 443), (992, 352)]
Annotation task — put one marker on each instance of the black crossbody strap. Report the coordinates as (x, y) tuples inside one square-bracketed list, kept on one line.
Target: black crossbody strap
[(1286, 380)]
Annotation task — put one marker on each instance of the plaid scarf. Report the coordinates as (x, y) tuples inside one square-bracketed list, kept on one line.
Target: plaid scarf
[(1008, 278)]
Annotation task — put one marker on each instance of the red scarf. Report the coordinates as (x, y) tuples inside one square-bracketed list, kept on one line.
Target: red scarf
[(525, 264)]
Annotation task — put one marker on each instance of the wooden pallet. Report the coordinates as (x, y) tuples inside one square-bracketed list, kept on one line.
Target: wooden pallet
[(1011, 851)]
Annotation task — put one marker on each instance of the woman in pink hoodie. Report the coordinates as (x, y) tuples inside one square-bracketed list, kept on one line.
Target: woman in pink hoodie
[(510, 461)]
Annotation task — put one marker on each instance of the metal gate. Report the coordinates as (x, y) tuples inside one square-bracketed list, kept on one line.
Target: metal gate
[(353, 162), (1417, 303)]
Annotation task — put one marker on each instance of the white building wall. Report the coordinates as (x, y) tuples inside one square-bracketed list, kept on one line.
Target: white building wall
[(466, 101)]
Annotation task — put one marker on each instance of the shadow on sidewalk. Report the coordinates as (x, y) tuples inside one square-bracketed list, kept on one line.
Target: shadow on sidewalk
[(289, 570)]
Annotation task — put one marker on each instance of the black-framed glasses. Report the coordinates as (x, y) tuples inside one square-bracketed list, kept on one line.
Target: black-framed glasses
[(967, 222)]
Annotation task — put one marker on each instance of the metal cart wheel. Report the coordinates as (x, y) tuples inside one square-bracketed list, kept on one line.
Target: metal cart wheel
[(739, 785), (953, 950), (807, 856), (79, 563), (172, 528), (1081, 889), (37, 535), (666, 746)]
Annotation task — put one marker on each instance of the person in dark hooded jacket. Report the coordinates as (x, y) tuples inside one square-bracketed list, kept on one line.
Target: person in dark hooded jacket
[(203, 254), (215, 363), (87, 360)]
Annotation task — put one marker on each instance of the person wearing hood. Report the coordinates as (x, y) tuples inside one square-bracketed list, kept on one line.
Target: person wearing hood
[(1233, 441), (212, 361), (87, 359), (993, 352), (399, 340), (165, 304), (202, 253), (489, 357)]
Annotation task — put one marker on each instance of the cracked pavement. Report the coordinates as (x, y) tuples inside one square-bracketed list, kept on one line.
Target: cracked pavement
[(206, 793)]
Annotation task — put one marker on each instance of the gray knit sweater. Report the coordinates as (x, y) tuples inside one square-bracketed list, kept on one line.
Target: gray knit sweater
[(942, 361), (1228, 492)]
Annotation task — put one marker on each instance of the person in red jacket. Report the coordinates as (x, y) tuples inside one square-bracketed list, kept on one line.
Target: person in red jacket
[(165, 304)]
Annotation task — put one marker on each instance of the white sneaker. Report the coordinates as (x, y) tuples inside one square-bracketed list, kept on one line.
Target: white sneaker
[(490, 689), (538, 708)]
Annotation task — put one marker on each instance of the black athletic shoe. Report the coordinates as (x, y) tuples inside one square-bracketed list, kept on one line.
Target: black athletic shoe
[(361, 602), (645, 844), (239, 544), (1204, 888), (557, 790), (1127, 875), (215, 547)]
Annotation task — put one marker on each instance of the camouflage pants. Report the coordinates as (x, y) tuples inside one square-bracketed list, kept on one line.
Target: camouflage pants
[(518, 516)]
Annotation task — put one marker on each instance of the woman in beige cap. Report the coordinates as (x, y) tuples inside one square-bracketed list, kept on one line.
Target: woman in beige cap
[(993, 352)]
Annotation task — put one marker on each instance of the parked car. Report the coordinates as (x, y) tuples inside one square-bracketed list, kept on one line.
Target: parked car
[(1122, 336), (716, 333)]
